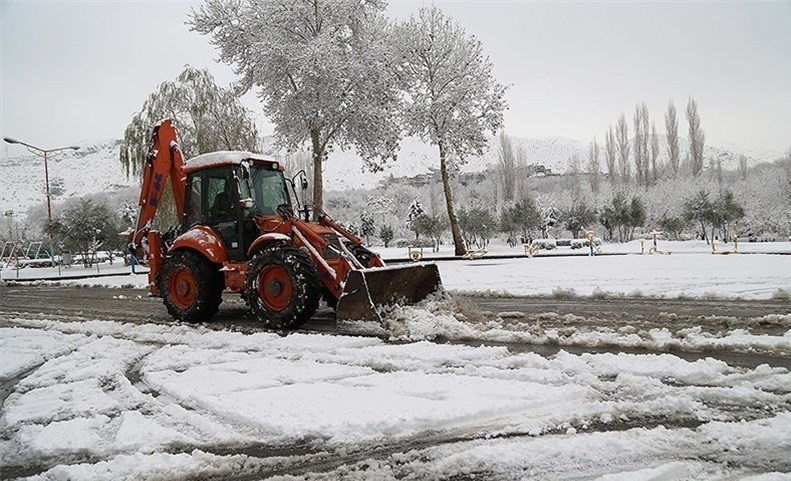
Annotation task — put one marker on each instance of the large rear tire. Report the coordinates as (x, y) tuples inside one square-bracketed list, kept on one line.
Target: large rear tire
[(282, 287), (191, 287)]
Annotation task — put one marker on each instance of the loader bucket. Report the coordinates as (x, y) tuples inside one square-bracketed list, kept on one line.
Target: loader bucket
[(368, 290)]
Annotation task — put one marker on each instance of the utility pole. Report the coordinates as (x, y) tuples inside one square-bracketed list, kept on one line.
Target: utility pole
[(44, 153)]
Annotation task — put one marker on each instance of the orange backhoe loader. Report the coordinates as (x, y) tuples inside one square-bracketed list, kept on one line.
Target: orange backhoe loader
[(239, 232)]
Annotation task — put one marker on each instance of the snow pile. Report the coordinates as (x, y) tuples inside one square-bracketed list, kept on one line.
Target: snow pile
[(455, 319), (134, 467)]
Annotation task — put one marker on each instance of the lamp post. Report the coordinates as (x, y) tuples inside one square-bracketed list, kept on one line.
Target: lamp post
[(44, 153)]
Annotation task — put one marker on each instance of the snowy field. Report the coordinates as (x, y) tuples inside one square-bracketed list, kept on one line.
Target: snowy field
[(498, 247), (696, 275), (105, 400)]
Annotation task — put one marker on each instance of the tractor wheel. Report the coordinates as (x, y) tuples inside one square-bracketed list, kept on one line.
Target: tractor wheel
[(191, 287), (282, 287)]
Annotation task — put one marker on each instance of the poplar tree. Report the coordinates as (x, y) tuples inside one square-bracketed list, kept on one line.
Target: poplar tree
[(452, 96)]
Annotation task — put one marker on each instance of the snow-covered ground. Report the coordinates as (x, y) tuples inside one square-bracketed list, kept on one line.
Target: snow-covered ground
[(678, 275), (106, 400), (498, 247)]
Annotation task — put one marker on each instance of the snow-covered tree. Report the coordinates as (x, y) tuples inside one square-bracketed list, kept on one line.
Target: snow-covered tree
[(622, 138), (641, 133), (654, 153), (573, 175), (743, 167), (506, 164), (380, 205), (322, 69), (208, 118), (671, 133), (697, 138), (594, 166), (452, 98), (611, 157), (727, 211)]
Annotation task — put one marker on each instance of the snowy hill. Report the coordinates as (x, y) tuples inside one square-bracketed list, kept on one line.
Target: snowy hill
[(344, 168), (92, 169), (415, 157), (96, 168)]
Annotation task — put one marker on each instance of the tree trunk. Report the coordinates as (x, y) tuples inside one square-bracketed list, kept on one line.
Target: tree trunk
[(458, 241), (705, 236), (318, 180)]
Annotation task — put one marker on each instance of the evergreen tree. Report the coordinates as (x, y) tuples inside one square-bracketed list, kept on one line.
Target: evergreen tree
[(386, 234), (727, 210), (432, 226), (700, 209), (367, 226), (84, 227), (522, 218), (577, 216), (622, 216), (477, 225), (415, 210)]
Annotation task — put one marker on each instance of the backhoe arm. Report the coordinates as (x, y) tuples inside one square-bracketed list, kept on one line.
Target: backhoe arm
[(164, 160)]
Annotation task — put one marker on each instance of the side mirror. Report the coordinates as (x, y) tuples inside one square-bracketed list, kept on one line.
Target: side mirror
[(247, 203), (303, 179), (285, 210)]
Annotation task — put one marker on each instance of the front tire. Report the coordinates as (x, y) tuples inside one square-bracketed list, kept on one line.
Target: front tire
[(282, 287), (191, 287)]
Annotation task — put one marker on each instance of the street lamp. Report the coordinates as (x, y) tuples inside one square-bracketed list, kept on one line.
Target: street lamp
[(42, 153)]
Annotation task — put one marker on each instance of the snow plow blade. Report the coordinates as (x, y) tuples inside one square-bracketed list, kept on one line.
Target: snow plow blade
[(368, 290)]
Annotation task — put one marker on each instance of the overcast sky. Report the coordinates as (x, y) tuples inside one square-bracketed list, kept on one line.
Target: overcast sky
[(75, 71)]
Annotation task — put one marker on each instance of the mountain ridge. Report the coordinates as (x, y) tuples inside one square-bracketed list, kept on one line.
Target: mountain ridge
[(96, 167)]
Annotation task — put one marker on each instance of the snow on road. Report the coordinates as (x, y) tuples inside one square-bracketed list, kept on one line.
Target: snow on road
[(102, 399)]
